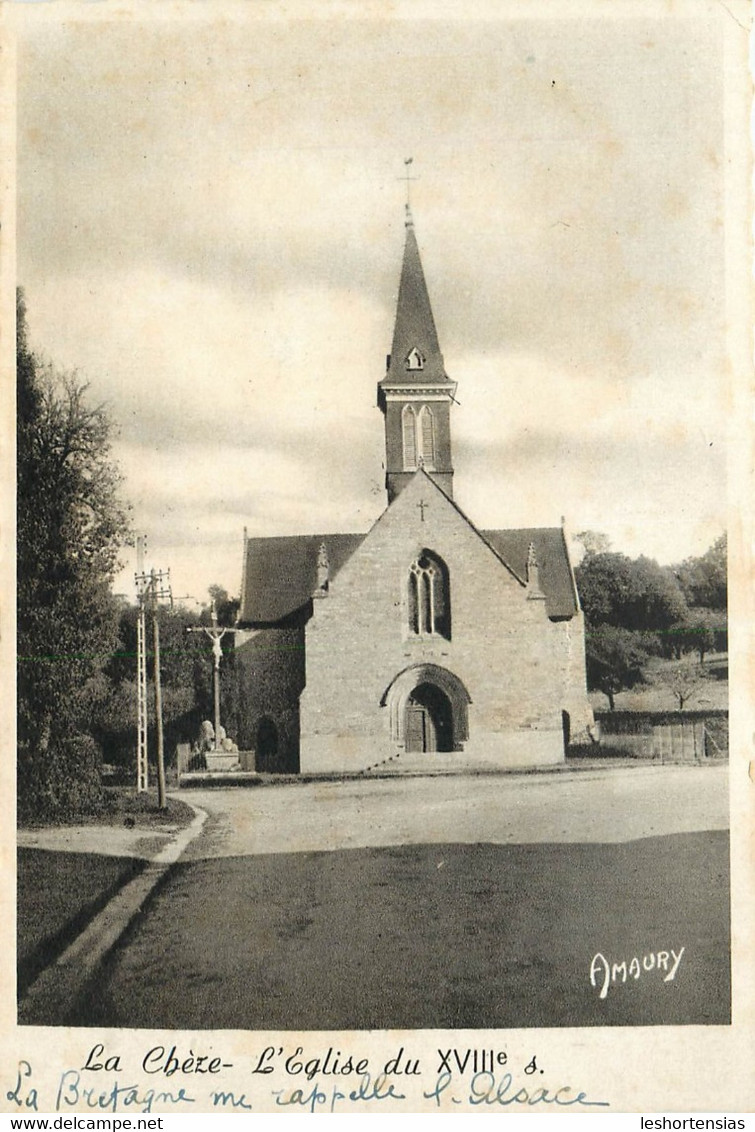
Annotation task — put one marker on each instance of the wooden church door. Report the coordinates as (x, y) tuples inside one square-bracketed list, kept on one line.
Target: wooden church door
[(420, 729), (429, 723)]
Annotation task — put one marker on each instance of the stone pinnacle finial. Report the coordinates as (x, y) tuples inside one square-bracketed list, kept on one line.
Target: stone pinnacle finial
[(533, 576), (323, 570)]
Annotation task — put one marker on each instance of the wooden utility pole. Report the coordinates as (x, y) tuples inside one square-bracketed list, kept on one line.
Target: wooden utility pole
[(161, 799), (153, 588), (142, 761)]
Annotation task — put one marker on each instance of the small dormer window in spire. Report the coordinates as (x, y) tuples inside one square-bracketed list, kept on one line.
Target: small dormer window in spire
[(415, 359)]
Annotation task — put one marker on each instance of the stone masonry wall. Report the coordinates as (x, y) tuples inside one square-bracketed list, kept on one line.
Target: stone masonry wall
[(517, 666), (270, 669)]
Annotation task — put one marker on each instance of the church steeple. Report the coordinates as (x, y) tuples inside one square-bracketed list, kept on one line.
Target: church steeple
[(416, 393)]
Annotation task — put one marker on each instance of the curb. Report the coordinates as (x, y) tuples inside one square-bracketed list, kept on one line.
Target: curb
[(308, 778), (54, 991)]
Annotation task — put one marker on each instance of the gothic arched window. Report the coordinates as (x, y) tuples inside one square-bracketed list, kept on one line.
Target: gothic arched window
[(429, 599), (409, 431), (427, 436)]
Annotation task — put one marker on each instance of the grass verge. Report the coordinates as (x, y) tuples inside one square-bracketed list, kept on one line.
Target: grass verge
[(58, 894), (124, 806)]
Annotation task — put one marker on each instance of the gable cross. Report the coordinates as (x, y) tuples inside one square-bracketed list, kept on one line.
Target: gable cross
[(422, 505)]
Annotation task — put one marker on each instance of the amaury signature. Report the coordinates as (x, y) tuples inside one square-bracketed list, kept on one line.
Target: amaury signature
[(603, 973)]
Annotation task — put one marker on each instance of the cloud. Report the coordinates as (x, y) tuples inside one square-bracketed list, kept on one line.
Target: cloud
[(573, 209), (181, 359), (210, 230)]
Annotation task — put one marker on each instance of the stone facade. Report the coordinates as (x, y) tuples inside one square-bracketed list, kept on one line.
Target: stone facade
[(517, 670), (424, 642)]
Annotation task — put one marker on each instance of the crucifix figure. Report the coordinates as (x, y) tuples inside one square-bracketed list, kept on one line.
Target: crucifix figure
[(422, 505), (216, 633)]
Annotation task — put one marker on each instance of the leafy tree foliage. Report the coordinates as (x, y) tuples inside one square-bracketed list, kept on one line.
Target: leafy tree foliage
[(226, 607), (696, 633), (186, 667), (70, 524), (594, 542), (653, 609), (683, 681), (615, 660), (703, 580), (630, 607), (629, 593)]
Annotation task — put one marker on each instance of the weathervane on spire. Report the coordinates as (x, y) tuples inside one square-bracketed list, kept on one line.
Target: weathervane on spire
[(408, 177)]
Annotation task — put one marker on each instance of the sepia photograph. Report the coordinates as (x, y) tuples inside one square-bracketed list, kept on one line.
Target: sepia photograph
[(380, 538)]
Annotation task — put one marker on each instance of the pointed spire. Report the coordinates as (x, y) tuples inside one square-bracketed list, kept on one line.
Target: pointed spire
[(416, 394), (415, 353)]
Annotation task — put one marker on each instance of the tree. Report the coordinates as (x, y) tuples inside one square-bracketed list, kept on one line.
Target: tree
[(684, 681), (701, 631), (226, 607), (594, 542), (629, 593), (703, 579), (186, 680), (615, 660), (70, 525)]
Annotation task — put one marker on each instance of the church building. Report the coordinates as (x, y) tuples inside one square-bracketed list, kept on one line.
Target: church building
[(424, 642)]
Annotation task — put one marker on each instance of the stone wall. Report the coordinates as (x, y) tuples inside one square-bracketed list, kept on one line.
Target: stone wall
[(520, 669), (270, 674)]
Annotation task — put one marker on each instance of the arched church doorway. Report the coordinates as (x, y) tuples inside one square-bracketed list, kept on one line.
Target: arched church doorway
[(428, 709), (267, 745), (429, 720)]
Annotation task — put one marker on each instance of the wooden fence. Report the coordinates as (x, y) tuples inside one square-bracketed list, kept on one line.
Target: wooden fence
[(667, 736)]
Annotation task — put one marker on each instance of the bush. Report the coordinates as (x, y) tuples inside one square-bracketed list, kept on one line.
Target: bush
[(599, 750), (63, 781)]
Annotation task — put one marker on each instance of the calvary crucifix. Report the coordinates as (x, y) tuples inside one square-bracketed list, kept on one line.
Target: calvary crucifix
[(216, 633)]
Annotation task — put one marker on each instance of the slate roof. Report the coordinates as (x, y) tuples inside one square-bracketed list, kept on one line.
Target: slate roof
[(281, 573), (552, 557), (415, 325)]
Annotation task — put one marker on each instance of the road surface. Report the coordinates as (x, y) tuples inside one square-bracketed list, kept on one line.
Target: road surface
[(474, 902), (616, 804)]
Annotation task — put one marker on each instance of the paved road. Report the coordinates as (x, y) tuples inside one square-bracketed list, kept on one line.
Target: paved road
[(439, 902), (612, 805)]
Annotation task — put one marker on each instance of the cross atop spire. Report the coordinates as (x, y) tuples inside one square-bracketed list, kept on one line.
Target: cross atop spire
[(408, 221)]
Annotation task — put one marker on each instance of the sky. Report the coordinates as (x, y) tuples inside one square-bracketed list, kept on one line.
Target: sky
[(210, 231)]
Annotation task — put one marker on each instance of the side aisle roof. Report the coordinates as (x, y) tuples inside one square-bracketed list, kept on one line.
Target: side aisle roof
[(281, 572)]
